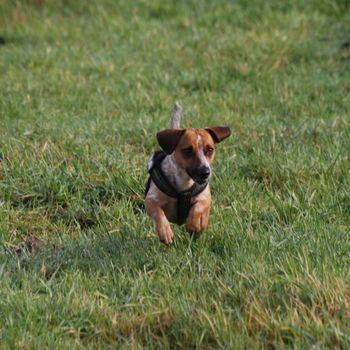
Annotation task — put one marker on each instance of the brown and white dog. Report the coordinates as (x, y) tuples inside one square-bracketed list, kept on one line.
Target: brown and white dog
[(189, 155)]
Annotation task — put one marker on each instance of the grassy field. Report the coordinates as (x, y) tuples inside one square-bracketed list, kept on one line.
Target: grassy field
[(85, 86)]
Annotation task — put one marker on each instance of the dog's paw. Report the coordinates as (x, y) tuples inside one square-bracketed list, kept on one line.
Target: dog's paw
[(165, 233), (197, 224)]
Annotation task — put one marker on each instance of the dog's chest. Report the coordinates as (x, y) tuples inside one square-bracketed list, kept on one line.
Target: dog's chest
[(170, 209)]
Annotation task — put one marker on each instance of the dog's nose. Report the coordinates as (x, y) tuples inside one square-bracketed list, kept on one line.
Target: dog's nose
[(204, 172)]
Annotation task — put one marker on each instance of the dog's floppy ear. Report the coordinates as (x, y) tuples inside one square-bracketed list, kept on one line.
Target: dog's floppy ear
[(219, 133), (169, 138)]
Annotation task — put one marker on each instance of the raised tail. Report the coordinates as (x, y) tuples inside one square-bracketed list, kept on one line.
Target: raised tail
[(175, 116)]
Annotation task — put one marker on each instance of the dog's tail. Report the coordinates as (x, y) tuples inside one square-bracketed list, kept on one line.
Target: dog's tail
[(175, 116)]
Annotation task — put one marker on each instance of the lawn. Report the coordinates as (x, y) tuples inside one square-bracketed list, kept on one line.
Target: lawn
[(85, 86)]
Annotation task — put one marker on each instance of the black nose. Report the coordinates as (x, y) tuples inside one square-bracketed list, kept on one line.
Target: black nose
[(199, 174), (204, 172)]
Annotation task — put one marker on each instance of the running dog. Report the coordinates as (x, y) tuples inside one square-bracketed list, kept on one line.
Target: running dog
[(178, 190)]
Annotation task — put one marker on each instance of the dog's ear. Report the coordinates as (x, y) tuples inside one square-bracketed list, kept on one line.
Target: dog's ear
[(219, 133), (169, 138)]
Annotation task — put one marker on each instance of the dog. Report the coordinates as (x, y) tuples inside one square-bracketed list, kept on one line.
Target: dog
[(178, 190)]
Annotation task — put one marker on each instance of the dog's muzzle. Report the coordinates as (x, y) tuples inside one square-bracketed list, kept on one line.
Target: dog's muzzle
[(199, 175)]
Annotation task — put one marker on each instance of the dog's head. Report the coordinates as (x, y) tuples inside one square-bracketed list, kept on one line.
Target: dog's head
[(193, 149)]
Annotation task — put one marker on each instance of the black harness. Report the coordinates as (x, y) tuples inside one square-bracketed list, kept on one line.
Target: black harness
[(160, 180)]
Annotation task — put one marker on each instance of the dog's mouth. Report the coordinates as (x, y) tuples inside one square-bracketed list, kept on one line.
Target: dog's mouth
[(200, 181)]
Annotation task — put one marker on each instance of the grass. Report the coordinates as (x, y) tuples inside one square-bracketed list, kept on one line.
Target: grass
[(84, 87)]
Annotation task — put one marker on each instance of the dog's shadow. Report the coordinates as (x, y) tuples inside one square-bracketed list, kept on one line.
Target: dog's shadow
[(112, 254), (90, 256)]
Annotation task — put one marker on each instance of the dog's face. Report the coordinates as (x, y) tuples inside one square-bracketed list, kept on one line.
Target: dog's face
[(193, 149)]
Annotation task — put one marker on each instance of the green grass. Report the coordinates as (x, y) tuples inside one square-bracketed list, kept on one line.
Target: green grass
[(85, 86)]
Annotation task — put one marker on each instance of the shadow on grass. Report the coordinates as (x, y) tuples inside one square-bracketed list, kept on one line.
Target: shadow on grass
[(127, 253), (121, 254)]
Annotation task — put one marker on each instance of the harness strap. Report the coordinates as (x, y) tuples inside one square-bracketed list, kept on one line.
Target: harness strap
[(160, 180)]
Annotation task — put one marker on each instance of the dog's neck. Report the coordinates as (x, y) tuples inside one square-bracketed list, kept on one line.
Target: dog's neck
[(176, 176)]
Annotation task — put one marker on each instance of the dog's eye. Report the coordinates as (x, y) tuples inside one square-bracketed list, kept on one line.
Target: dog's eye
[(209, 151), (188, 152)]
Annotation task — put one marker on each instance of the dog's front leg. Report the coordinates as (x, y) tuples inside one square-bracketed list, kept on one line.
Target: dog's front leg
[(198, 217), (163, 228)]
